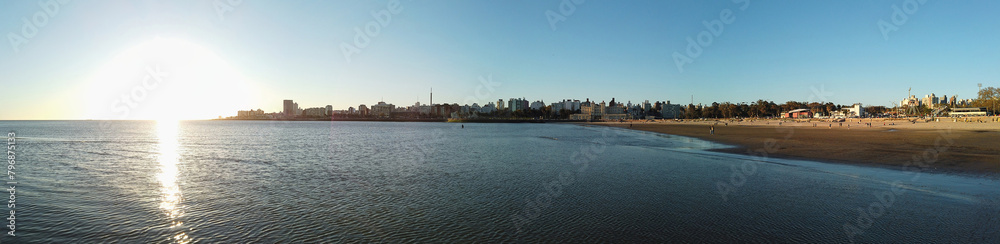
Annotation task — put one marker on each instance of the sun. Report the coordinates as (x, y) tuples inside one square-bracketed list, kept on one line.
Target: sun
[(167, 79)]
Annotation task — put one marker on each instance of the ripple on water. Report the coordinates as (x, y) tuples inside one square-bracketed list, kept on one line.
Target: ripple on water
[(255, 182)]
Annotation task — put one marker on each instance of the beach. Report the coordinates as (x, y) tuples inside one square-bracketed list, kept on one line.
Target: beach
[(943, 145)]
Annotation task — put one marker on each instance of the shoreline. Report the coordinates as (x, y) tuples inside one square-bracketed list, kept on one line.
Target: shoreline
[(959, 148), (418, 120)]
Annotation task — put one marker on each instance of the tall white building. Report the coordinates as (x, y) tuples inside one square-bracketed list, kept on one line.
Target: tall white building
[(537, 105)]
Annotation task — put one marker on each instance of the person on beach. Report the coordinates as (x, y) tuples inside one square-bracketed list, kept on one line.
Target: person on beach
[(712, 130)]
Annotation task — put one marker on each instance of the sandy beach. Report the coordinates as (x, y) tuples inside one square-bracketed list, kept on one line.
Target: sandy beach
[(959, 146)]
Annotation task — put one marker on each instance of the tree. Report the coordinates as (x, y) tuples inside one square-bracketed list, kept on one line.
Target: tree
[(989, 97)]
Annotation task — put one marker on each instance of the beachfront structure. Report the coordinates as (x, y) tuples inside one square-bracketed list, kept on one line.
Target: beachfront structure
[(964, 112), (855, 111), (590, 110), (910, 101), (615, 112), (618, 108), (797, 113)]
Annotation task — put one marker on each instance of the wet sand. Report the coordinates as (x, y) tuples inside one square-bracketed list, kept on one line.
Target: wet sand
[(962, 147)]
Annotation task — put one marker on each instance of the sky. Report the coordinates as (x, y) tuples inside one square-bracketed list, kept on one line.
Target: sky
[(203, 59)]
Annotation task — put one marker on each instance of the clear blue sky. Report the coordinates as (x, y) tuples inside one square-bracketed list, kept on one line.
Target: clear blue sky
[(775, 50)]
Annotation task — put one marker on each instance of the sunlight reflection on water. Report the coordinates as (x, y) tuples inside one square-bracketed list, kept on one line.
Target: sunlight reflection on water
[(171, 196)]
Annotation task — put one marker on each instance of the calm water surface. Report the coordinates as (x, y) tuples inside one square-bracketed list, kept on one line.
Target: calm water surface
[(266, 182)]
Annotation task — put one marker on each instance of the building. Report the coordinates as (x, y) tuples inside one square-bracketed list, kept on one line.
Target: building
[(930, 100), (567, 104), (965, 112), (573, 105), (797, 113), (517, 104), (363, 110), (315, 112), (910, 101), (251, 114), (591, 111), (616, 112), (382, 109), (856, 111), (670, 111), (488, 108), (288, 108), (618, 108), (556, 107), (537, 105)]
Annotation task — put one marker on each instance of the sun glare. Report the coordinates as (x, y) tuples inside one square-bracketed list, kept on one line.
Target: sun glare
[(168, 79)]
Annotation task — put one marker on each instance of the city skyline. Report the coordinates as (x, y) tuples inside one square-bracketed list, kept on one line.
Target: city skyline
[(200, 59)]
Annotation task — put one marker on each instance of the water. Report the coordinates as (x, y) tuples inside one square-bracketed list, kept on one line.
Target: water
[(288, 182)]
